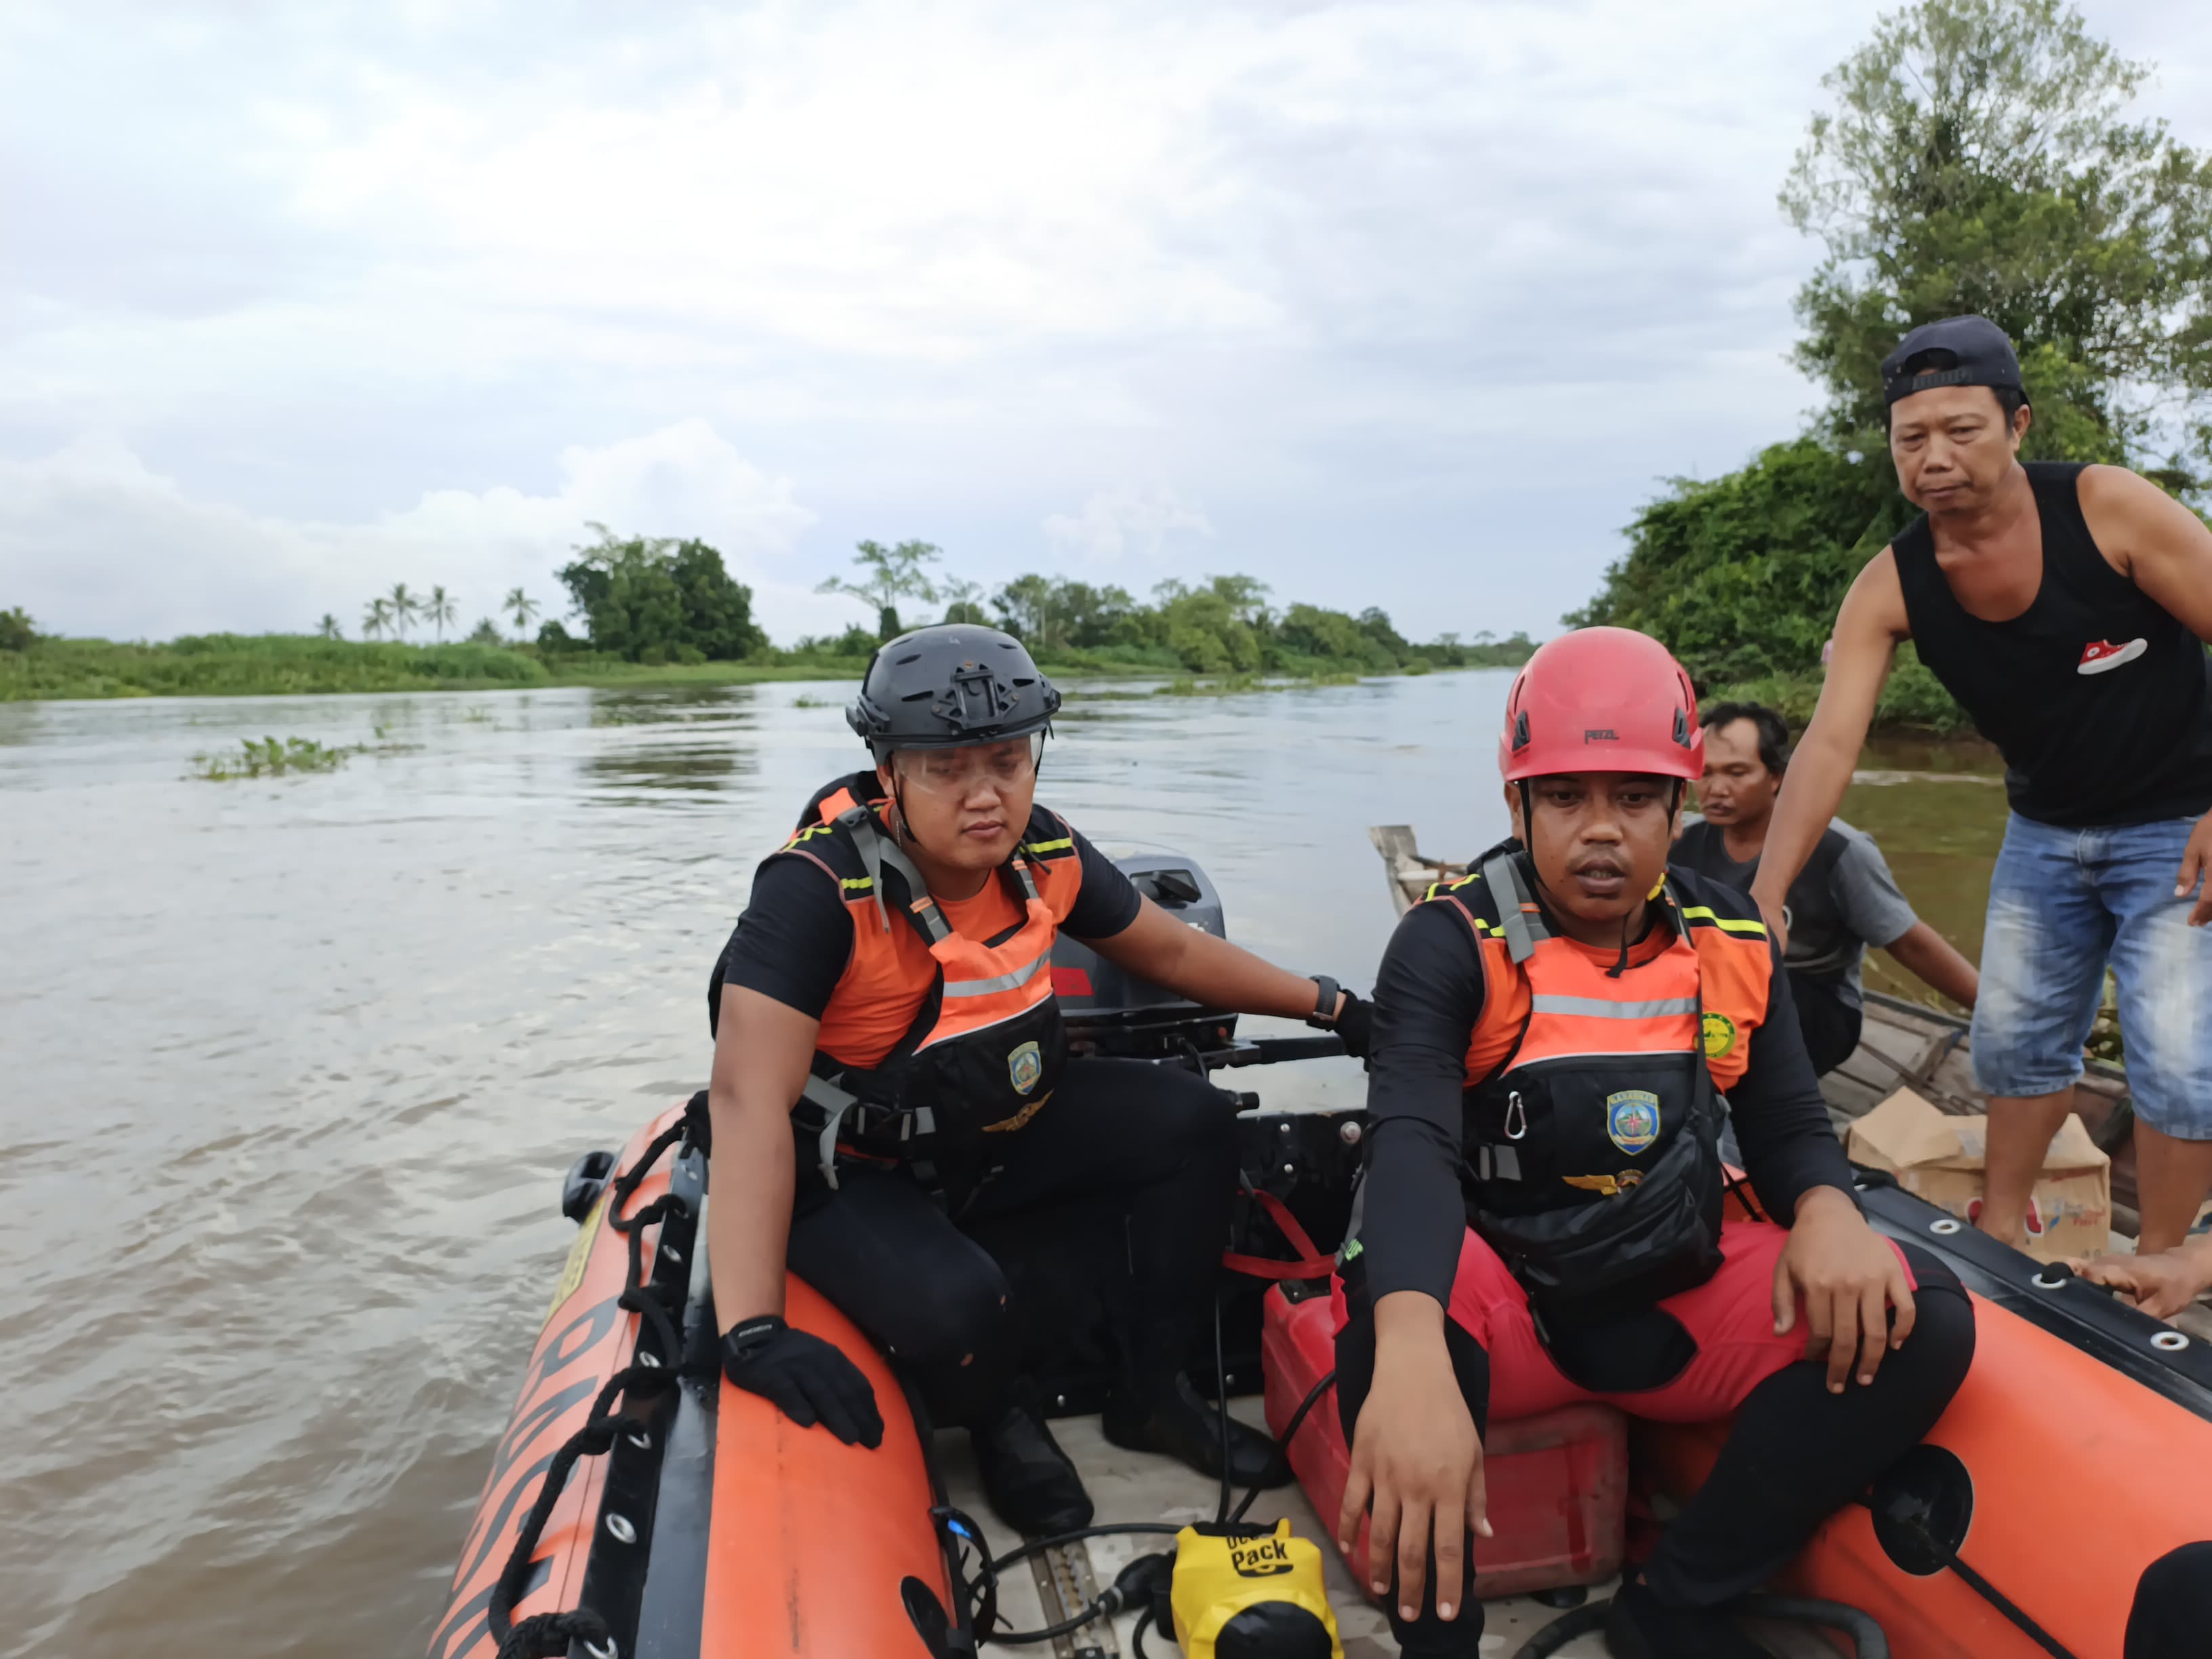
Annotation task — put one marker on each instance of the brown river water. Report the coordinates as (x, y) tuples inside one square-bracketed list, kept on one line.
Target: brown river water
[(290, 1071)]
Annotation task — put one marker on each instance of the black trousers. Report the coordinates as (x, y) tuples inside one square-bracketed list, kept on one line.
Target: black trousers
[(1147, 1151), (1795, 1453), (1831, 1026)]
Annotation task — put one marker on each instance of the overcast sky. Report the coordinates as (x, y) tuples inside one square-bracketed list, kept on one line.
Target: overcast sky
[(1404, 304)]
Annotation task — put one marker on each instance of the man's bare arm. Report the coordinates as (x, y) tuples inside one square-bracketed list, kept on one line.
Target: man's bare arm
[(1930, 957), (1868, 627), (762, 1053)]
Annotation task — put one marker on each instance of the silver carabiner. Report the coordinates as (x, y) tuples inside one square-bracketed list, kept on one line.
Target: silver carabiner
[(1515, 1109)]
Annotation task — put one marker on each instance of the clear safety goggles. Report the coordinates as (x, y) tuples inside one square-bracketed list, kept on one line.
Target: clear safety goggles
[(952, 772)]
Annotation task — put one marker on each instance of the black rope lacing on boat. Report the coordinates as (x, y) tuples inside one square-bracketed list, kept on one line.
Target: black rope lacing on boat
[(549, 1635)]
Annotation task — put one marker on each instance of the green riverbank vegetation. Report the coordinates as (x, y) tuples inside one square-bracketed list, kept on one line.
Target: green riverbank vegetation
[(1977, 157), (1221, 626), (667, 611)]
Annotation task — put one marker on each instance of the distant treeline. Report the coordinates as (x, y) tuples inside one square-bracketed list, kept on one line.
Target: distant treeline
[(670, 611), (655, 602), (1220, 625), (650, 608)]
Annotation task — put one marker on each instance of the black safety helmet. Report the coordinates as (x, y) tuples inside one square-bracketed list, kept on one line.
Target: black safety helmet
[(948, 687)]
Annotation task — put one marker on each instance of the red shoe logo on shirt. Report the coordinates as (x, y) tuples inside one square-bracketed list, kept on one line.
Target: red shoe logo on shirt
[(2101, 655)]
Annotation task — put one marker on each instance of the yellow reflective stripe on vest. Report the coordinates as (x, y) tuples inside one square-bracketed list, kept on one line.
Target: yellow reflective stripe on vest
[(1060, 846), (1726, 924), (1013, 982), (1599, 1008)]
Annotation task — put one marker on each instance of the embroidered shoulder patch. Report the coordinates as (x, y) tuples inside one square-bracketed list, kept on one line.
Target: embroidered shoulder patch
[(1719, 1036)]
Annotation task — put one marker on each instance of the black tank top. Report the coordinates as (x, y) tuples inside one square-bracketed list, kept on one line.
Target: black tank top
[(2100, 699)]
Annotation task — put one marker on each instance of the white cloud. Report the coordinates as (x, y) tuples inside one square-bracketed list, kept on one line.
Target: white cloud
[(1117, 523), (1449, 283), (92, 539)]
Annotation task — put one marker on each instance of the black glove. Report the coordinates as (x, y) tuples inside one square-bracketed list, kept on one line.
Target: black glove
[(806, 1379), (1355, 1023)]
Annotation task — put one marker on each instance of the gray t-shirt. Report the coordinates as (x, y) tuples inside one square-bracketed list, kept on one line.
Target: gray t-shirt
[(1829, 932)]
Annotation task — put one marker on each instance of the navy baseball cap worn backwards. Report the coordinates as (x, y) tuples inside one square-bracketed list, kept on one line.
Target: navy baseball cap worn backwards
[(1980, 355)]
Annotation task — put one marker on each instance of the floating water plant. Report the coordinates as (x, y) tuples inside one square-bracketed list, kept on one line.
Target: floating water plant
[(271, 757)]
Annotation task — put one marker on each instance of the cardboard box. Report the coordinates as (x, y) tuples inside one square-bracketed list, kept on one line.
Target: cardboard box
[(1939, 1158)]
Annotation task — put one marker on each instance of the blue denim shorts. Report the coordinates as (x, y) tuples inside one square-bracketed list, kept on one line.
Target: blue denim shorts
[(2063, 903)]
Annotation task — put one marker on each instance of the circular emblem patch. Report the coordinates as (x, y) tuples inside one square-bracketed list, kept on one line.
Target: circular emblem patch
[(1631, 1119), (1024, 1067), (1719, 1036)]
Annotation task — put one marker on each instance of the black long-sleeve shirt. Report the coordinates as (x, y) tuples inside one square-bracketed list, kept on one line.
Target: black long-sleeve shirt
[(1428, 997)]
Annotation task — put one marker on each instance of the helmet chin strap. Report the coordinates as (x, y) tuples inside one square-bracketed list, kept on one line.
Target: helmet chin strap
[(901, 831)]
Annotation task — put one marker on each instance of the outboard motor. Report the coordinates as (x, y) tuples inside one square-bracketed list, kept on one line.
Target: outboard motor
[(1109, 1011), (1306, 1160)]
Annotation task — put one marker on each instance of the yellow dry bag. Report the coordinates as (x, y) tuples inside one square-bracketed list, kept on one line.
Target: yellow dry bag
[(1249, 1593)]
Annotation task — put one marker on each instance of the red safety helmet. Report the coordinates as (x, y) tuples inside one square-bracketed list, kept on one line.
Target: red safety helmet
[(1601, 700)]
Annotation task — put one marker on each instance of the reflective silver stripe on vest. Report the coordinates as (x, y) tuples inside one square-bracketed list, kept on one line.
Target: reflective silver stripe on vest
[(1599, 1008), (1013, 982)]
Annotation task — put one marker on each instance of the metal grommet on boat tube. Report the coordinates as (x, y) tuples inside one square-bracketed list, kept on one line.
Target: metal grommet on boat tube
[(619, 1529), (608, 1650), (651, 1361), (1945, 1227), (2049, 1281), (640, 1439), (2169, 1341)]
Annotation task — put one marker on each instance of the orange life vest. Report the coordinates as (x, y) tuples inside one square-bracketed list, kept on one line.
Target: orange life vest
[(983, 1050), (1591, 1119)]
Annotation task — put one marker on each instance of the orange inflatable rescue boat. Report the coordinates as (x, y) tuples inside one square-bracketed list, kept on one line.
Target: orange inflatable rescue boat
[(639, 1505), (2066, 1491)]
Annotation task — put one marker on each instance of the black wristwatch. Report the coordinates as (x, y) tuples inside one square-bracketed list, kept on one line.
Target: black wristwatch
[(1324, 1013)]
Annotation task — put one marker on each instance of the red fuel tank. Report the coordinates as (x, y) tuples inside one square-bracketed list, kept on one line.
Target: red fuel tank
[(1557, 1483)]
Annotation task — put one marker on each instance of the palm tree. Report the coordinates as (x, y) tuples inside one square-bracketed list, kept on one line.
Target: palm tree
[(328, 628), (376, 618), (440, 610), (520, 606), (404, 607)]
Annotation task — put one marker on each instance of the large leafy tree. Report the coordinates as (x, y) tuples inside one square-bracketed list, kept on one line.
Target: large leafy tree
[(660, 599), (886, 575), (1980, 156)]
